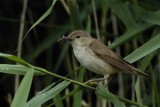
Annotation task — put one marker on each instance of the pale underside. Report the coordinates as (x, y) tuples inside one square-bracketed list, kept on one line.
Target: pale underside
[(90, 61), (96, 57)]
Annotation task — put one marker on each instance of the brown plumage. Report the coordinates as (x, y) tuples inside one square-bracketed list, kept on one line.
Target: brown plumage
[(109, 56), (96, 57)]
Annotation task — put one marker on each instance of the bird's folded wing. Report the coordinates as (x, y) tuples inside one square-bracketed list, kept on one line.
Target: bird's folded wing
[(107, 55)]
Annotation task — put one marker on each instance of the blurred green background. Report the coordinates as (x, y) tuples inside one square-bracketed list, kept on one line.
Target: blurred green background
[(125, 26)]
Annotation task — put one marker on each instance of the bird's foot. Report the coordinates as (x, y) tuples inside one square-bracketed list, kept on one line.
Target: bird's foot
[(94, 82)]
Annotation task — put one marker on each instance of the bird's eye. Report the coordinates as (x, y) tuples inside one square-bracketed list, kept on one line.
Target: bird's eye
[(78, 36)]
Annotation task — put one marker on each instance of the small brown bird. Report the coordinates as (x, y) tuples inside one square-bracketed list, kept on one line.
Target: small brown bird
[(96, 57)]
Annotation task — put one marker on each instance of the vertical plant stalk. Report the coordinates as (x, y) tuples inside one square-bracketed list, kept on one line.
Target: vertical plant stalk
[(95, 19), (115, 32), (104, 18), (133, 88), (133, 76), (104, 102), (65, 6), (21, 30)]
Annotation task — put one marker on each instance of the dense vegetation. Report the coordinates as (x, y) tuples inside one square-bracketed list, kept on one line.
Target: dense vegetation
[(45, 72)]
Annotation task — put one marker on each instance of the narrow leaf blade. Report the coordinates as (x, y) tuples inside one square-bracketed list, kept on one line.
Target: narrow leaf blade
[(42, 98), (23, 91), (101, 91), (144, 50), (14, 58), (17, 69)]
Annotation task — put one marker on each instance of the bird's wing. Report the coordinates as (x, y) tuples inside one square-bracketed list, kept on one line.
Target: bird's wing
[(107, 55)]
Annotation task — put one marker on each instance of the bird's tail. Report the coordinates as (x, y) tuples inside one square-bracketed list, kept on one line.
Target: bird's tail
[(137, 71)]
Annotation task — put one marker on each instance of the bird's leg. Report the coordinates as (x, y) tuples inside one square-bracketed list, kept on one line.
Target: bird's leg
[(96, 80), (108, 78)]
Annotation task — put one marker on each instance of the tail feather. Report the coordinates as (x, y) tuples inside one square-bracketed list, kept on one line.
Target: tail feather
[(137, 71)]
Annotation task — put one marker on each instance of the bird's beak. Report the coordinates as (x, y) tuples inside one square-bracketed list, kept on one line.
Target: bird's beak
[(64, 38)]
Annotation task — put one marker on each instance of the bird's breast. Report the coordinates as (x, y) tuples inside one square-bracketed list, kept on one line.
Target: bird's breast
[(90, 61)]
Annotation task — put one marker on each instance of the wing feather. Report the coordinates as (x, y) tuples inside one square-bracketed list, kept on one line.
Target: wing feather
[(109, 56)]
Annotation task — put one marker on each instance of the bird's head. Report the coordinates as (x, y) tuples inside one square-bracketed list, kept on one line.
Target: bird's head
[(78, 37)]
